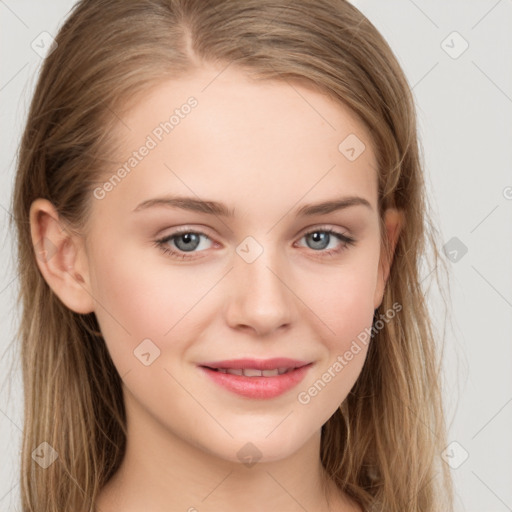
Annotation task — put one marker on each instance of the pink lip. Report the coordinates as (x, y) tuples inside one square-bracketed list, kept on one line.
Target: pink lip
[(258, 387), (257, 364)]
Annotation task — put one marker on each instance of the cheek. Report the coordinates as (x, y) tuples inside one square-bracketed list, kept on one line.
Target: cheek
[(344, 304), (343, 299), (348, 301), (134, 301), (139, 297)]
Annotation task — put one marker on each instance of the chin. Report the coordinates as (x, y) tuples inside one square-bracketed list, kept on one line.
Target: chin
[(257, 448)]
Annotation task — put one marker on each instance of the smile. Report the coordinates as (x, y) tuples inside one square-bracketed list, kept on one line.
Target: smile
[(253, 372), (257, 379)]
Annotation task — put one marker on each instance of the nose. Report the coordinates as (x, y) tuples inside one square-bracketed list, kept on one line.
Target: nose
[(261, 297)]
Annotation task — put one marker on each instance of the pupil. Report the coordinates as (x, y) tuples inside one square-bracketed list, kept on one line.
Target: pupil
[(320, 238), (187, 238)]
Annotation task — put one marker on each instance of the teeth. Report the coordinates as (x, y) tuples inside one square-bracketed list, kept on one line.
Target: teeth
[(235, 371), (253, 372), (250, 372)]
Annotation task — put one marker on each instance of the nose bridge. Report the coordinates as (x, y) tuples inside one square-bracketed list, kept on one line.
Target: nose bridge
[(261, 298)]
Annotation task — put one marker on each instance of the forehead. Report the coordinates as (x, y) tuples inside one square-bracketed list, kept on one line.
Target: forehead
[(220, 133)]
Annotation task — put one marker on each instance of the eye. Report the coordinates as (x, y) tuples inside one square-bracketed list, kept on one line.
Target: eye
[(184, 241), (320, 239)]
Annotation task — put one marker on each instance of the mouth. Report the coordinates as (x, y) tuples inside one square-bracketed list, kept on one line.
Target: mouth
[(281, 364), (261, 379), (253, 372)]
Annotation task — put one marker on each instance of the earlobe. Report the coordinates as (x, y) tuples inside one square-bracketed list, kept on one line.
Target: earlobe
[(393, 223), (60, 257)]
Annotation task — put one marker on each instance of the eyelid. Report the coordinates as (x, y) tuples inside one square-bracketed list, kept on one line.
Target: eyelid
[(344, 238), (203, 230), (185, 228), (326, 227)]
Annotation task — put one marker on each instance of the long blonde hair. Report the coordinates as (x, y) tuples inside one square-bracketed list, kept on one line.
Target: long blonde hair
[(383, 445)]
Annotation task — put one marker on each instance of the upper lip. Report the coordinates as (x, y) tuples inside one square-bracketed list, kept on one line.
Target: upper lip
[(257, 364)]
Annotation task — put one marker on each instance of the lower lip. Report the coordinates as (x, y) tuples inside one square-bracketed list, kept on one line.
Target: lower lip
[(258, 387)]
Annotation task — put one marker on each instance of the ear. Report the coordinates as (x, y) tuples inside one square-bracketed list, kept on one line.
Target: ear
[(61, 257), (393, 222)]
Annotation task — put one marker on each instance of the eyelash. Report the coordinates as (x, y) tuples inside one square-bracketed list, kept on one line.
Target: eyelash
[(162, 243)]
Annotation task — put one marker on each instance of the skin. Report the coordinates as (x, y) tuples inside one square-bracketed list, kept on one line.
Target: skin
[(264, 149)]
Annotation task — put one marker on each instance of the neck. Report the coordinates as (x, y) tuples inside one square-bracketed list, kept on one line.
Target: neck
[(161, 471)]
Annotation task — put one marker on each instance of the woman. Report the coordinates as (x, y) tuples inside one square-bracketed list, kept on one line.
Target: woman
[(221, 213)]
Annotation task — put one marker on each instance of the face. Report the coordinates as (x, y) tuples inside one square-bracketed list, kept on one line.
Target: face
[(242, 265)]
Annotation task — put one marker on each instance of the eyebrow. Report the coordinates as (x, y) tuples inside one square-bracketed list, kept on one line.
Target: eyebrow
[(220, 209)]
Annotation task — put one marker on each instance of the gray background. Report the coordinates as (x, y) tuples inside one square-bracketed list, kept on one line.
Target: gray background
[(464, 107)]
